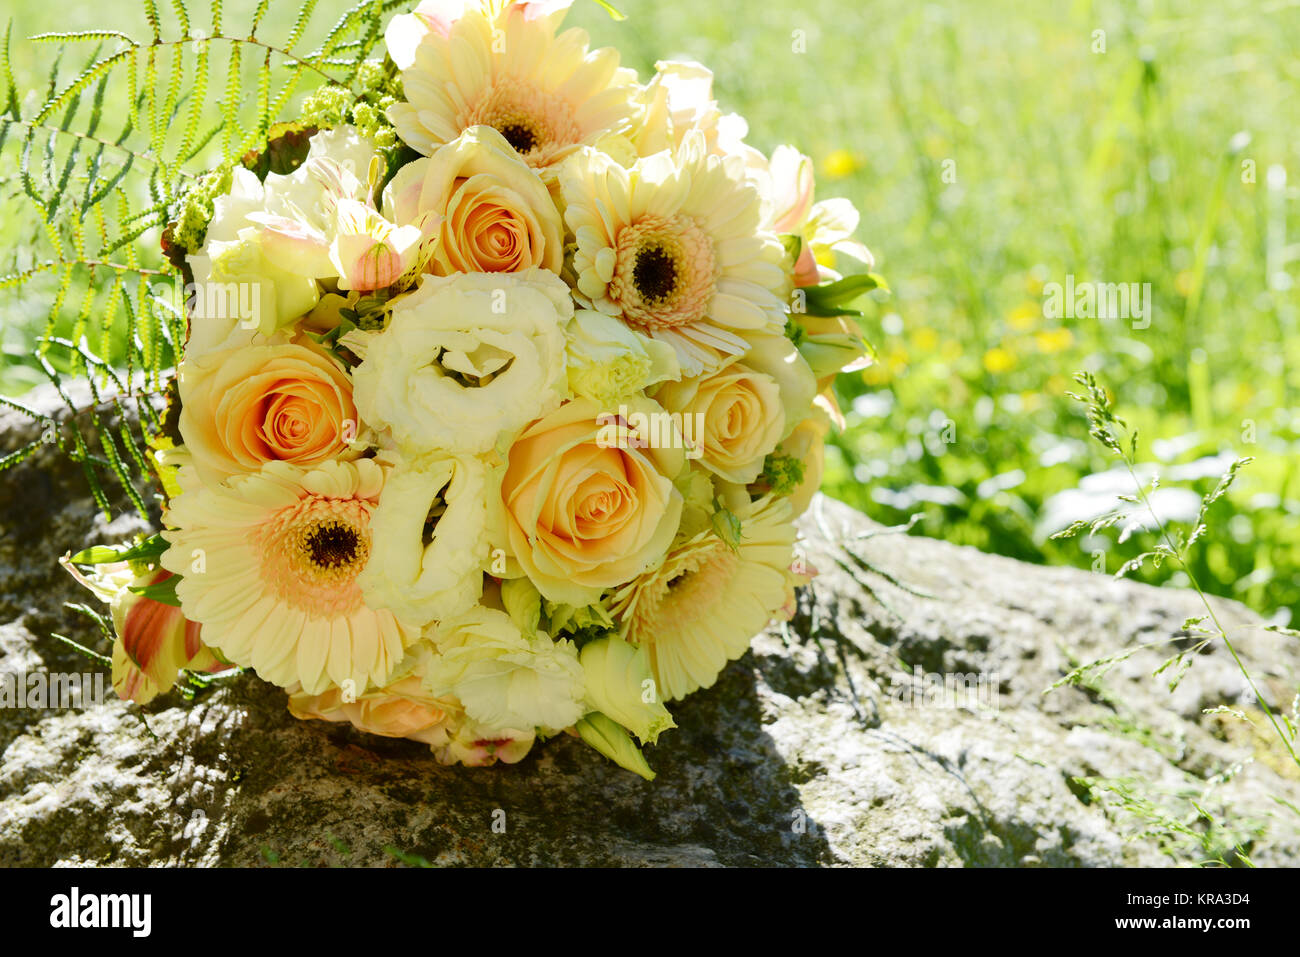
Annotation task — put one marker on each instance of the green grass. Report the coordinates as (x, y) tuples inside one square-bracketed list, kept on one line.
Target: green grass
[(1117, 166)]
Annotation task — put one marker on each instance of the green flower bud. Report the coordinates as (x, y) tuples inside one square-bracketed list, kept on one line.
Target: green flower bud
[(620, 685)]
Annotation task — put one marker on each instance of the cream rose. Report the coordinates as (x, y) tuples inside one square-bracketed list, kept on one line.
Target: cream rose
[(464, 359), (737, 415), (244, 407), (496, 214), (585, 507), (733, 417)]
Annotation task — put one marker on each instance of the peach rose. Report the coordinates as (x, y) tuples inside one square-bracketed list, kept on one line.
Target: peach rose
[(740, 412), (588, 496), (734, 417), (241, 408), (496, 214), (399, 710)]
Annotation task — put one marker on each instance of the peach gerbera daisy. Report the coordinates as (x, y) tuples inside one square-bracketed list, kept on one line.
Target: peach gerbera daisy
[(545, 93), (270, 564), (673, 247), (703, 604)]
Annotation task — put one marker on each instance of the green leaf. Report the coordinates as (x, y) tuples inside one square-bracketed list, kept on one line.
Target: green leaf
[(148, 550), (164, 592), (96, 555), (727, 526), (609, 8), (612, 740), (832, 298)]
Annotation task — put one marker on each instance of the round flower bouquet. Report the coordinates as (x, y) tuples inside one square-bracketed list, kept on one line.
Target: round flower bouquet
[(504, 378)]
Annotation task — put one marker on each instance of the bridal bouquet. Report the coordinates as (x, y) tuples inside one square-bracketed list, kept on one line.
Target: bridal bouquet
[(506, 377)]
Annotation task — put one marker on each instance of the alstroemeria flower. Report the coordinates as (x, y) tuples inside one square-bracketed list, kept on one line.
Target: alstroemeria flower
[(677, 101), (368, 252), (824, 228), (154, 642), (477, 747)]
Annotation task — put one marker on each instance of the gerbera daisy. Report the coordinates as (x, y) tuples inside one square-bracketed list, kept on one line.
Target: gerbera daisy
[(269, 564), (673, 247), (545, 93), (701, 607)]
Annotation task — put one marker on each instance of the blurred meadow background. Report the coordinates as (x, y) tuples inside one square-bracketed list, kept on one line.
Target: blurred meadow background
[(992, 148)]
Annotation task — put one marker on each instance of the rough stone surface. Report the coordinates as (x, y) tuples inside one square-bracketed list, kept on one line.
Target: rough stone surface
[(802, 754)]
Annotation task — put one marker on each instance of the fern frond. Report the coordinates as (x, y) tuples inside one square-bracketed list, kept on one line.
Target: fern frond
[(230, 105), (7, 75), (151, 14), (258, 14), (81, 36), (300, 24), (81, 82)]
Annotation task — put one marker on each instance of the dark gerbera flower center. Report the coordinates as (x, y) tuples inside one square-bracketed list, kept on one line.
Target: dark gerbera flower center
[(332, 545), (519, 135), (655, 273)]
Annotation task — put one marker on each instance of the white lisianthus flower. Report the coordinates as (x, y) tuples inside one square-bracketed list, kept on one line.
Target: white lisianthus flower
[(621, 686), (503, 678), (607, 359), (464, 359), (429, 536)]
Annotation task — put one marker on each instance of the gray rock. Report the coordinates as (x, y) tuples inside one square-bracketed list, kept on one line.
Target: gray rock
[(808, 751)]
